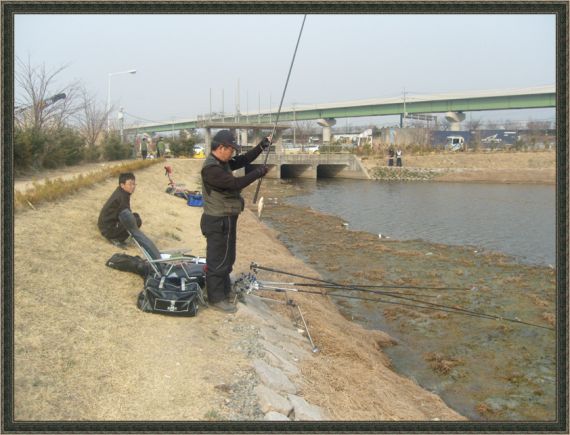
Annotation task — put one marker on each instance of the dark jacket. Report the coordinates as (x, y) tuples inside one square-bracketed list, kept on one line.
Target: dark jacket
[(220, 189), (109, 216)]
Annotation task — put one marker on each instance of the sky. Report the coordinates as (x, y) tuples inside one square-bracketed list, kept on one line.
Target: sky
[(183, 59)]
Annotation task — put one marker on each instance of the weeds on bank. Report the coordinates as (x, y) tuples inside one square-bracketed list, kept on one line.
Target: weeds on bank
[(399, 174), (57, 188), (441, 364)]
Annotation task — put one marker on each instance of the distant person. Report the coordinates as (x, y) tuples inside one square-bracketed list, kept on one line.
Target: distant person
[(108, 222), (160, 148), (144, 148), (390, 156), (399, 157), (223, 204)]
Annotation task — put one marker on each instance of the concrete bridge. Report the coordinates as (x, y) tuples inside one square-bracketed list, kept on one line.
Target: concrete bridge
[(313, 166), (455, 105)]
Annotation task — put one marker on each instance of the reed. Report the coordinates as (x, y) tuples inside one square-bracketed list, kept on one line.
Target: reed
[(58, 188)]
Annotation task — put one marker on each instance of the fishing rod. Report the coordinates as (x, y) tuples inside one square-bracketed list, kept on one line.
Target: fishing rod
[(451, 310), (430, 305), (279, 111), (343, 287), (379, 286), (254, 266)]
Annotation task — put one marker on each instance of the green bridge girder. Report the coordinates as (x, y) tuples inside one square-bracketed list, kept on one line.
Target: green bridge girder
[(470, 104)]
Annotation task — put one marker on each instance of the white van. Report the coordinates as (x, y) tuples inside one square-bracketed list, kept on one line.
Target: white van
[(455, 143)]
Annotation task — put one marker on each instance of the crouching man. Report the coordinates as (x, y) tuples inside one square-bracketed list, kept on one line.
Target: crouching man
[(108, 222), (222, 205)]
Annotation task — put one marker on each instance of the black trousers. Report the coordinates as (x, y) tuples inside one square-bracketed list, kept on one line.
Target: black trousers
[(220, 233), (119, 232)]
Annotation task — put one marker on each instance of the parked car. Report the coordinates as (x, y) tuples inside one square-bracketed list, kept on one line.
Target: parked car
[(199, 151), (455, 143)]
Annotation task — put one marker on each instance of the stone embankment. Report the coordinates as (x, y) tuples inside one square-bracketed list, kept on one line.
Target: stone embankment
[(281, 349)]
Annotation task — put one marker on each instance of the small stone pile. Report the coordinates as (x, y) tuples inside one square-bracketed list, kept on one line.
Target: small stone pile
[(282, 348)]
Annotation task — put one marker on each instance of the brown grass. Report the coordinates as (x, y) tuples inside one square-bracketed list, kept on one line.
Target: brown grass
[(52, 189), (84, 352)]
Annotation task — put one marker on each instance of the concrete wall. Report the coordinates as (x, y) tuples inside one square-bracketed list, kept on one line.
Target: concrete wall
[(315, 166)]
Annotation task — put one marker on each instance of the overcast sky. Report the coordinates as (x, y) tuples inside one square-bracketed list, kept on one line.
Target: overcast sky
[(179, 58)]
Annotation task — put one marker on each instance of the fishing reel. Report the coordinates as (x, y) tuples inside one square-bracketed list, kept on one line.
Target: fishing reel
[(246, 283)]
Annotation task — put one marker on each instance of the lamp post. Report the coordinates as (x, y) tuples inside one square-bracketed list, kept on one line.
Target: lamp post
[(131, 71)]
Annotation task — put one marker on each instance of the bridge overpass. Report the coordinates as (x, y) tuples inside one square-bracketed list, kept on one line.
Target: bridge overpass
[(527, 98)]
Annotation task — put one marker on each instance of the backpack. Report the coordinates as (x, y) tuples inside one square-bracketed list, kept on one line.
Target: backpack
[(128, 263), (176, 295)]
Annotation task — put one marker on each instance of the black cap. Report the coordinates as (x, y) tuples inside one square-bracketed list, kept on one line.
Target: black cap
[(224, 137)]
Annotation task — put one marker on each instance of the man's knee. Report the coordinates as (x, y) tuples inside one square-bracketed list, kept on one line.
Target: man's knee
[(138, 219)]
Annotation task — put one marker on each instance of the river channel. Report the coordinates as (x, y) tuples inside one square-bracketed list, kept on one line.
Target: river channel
[(495, 242)]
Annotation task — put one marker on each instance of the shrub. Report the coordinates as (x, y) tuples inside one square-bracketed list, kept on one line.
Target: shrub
[(182, 147), (29, 144), (71, 146), (113, 149)]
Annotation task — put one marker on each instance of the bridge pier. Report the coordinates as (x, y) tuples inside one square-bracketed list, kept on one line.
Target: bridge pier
[(326, 123)]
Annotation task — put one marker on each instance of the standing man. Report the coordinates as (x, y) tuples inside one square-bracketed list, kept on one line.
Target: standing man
[(222, 205), (144, 148), (399, 157), (109, 225)]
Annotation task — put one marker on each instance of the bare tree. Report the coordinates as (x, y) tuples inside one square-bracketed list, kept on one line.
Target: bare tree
[(41, 103), (473, 124), (511, 125), (91, 119), (303, 130), (444, 124)]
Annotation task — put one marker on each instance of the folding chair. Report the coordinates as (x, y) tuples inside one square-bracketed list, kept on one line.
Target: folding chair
[(174, 279)]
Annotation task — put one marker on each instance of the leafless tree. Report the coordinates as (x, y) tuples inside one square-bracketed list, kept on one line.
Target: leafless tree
[(444, 124), (303, 130), (91, 119), (473, 124), (41, 103), (511, 125)]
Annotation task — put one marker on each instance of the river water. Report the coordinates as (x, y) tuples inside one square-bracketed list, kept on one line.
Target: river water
[(499, 240), (518, 220)]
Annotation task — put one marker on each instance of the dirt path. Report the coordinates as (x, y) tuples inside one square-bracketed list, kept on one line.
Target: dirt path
[(83, 351)]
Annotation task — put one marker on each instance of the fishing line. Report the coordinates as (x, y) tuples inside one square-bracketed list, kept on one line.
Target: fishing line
[(431, 305), (279, 111)]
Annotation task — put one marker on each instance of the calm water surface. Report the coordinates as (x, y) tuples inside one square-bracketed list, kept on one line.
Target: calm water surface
[(518, 220)]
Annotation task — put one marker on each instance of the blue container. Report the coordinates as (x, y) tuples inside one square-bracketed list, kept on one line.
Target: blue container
[(195, 201)]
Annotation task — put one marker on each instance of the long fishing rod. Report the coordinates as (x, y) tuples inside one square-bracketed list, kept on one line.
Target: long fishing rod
[(254, 266), (279, 111), (339, 287), (434, 306), (447, 309), (380, 286)]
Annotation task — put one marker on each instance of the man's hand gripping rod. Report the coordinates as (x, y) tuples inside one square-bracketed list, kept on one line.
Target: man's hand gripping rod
[(279, 111)]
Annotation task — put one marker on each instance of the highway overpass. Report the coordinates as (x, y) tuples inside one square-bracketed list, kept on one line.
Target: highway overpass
[(506, 99)]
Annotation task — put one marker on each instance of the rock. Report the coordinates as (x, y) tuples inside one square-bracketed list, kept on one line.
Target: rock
[(304, 410), (269, 400), (292, 345), (275, 416), (281, 357), (273, 377)]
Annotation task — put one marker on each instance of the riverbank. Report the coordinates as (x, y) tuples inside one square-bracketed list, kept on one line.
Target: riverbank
[(83, 351), (492, 167)]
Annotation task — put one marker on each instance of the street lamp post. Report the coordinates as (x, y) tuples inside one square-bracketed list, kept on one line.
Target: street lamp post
[(131, 71)]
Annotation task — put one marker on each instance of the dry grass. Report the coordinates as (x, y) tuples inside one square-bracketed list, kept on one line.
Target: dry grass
[(52, 189), (441, 364), (84, 352)]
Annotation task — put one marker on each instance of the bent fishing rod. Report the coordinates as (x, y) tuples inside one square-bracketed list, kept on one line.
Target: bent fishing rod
[(428, 305), (279, 111)]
